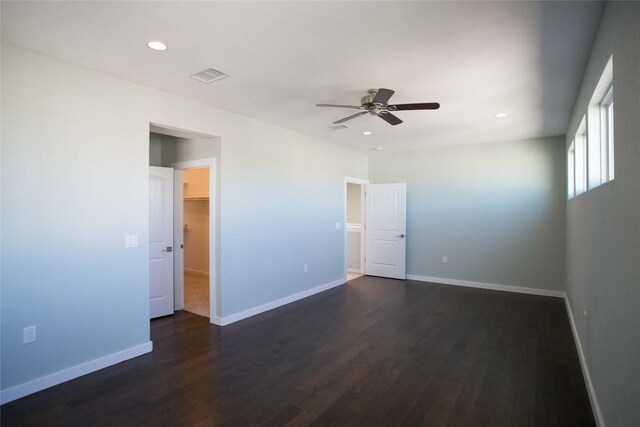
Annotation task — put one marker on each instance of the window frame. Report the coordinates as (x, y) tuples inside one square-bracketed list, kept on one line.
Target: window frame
[(571, 170), (591, 155), (607, 138)]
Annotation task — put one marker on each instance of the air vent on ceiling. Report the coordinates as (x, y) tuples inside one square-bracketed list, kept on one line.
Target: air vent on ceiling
[(209, 75), (336, 127)]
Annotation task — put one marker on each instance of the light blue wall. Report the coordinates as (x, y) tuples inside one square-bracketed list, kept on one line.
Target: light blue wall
[(72, 186), (495, 210), (276, 219), (75, 156), (603, 225)]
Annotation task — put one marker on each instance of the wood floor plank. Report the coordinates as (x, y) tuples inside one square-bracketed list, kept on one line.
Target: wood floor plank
[(375, 352)]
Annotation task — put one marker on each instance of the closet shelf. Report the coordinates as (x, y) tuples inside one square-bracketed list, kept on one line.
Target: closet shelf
[(354, 227), (196, 198)]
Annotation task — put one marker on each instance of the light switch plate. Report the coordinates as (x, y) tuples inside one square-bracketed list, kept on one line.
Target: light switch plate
[(29, 334), (131, 241), (338, 225)]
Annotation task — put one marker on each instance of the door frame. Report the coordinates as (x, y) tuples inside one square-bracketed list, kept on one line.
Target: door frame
[(211, 163), (363, 183)]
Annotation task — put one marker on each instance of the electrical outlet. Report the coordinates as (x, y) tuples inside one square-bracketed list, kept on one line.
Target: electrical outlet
[(338, 225), (306, 268), (445, 260), (28, 334)]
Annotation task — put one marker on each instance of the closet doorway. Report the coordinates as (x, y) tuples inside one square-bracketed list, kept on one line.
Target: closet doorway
[(196, 218), (194, 213), (194, 160), (355, 227)]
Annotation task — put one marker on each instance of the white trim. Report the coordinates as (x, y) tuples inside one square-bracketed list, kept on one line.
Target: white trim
[(354, 270), (177, 132), (68, 374), (595, 407), (197, 272), (351, 180), (491, 286), (232, 318), (210, 163)]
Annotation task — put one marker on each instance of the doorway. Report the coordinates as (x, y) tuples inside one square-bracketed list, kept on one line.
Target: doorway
[(195, 203), (192, 161), (354, 228), (195, 214)]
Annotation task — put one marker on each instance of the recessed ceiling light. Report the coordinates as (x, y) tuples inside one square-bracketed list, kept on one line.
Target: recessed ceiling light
[(377, 149), (366, 132), (500, 115), (156, 45)]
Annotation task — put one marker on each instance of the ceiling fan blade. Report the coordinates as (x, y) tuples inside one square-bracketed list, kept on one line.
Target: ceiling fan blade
[(353, 116), (390, 118), (382, 96), (340, 106), (418, 106)]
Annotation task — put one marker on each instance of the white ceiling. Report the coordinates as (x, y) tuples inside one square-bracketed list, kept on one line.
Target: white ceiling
[(475, 58)]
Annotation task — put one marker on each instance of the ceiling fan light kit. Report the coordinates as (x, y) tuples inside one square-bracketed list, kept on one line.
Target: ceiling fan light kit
[(376, 103)]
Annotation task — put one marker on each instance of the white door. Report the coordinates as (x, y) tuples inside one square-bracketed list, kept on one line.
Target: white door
[(160, 241), (385, 230), (178, 239)]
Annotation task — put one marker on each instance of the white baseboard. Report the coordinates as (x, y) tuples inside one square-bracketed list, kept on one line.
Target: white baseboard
[(59, 377), (491, 286), (597, 414), (196, 272), (353, 270), (226, 320)]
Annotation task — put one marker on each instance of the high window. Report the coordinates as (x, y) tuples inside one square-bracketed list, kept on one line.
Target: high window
[(606, 136), (590, 159), (571, 169)]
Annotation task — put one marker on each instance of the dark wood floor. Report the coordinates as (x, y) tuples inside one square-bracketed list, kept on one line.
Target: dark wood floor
[(375, 352)]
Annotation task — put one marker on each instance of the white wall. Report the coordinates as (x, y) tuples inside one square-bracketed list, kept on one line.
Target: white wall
[(75, 156), (603, 226), (495, 210)]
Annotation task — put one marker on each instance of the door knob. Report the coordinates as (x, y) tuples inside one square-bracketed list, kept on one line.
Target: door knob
[(169, 249), (400, 236)]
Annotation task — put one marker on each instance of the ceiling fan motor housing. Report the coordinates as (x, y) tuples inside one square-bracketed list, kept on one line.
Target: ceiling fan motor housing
[(374, 108), (368, 99)]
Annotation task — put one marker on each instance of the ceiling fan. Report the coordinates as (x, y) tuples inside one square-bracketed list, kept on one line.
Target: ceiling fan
[(376, 103)]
